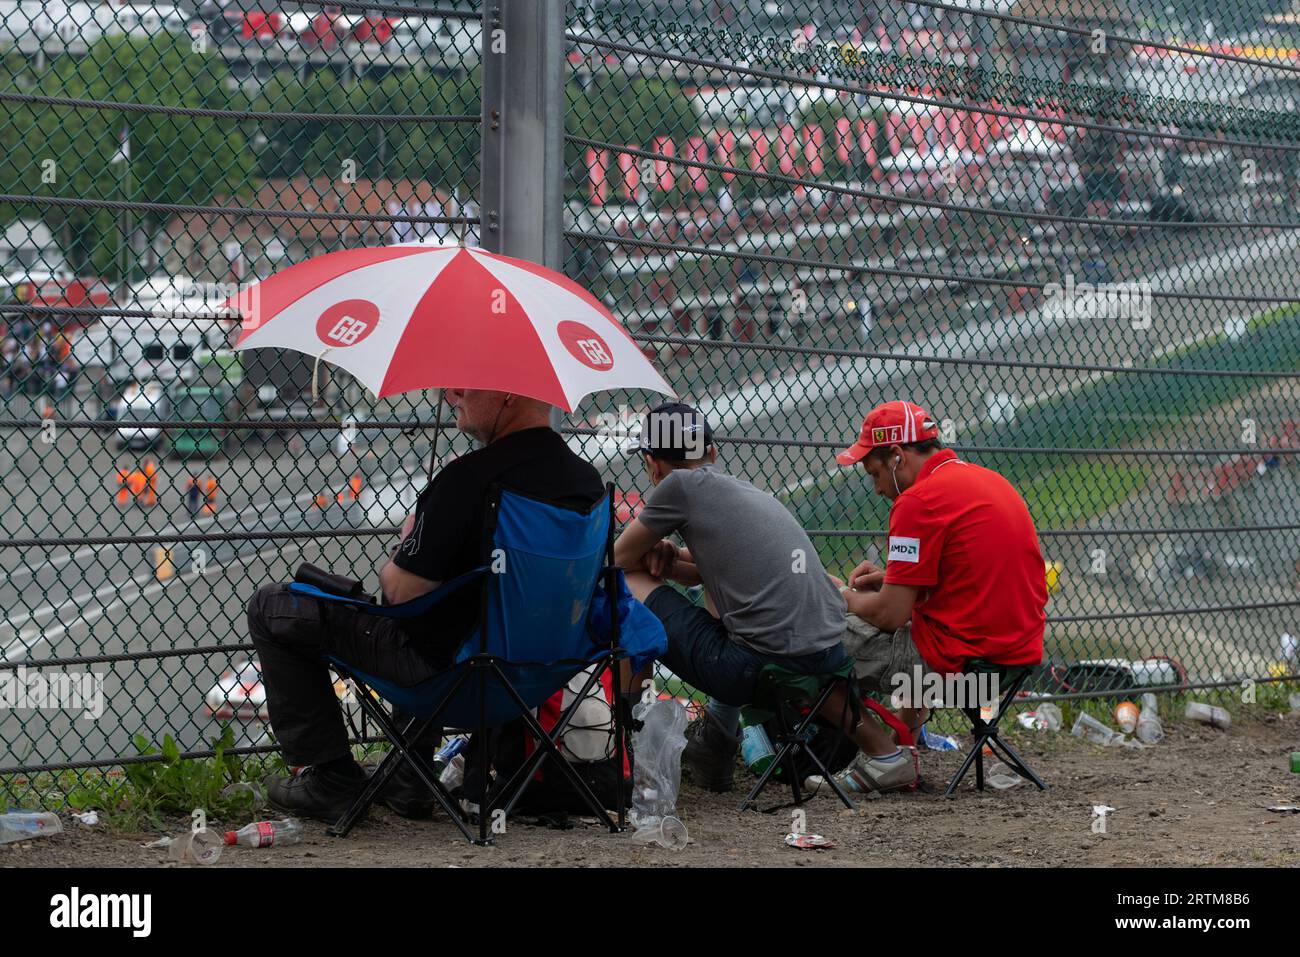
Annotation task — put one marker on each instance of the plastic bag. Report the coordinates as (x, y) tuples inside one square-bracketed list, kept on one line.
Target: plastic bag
[(657, 774)]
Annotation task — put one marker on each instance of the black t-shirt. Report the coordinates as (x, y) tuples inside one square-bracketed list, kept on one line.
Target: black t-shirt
[(447, 537)]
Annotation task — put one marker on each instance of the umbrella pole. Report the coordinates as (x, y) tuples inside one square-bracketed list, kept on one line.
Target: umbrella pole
[(437, 433)]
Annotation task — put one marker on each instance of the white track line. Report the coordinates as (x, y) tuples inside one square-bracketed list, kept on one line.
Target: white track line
[(141, 591), (26, 627), (172, 528)]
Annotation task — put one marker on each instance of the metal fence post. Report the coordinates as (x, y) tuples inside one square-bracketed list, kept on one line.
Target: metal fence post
[(522, 185)]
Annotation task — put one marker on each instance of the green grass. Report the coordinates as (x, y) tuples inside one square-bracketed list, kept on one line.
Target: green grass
[(1080, 490), (143, 796), (1122, 409)]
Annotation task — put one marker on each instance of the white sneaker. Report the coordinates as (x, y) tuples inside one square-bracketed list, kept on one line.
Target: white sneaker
[(879, 774)]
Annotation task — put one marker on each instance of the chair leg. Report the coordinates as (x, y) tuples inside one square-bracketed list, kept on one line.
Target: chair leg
[(961, 772), (986, 732), (523, 776), (974, 756), (344, 824), (401, 752), (792, 744), (762, 783), (483, 839), (830, 779), (1016, 761), (544, 740)]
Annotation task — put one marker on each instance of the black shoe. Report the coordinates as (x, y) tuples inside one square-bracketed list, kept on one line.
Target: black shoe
[(406, 795), (709, 758), (314, 793)]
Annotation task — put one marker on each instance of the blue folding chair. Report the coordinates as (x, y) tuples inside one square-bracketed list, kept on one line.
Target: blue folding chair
[(545, 616)]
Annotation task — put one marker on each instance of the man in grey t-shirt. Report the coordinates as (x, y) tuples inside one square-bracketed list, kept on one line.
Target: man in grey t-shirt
[(770, 599)]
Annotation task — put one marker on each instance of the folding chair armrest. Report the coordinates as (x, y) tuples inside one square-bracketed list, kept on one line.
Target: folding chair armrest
[(407, 609), (302, 588)]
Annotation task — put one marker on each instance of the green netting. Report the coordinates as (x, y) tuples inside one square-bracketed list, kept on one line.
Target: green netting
[(1069, 230)]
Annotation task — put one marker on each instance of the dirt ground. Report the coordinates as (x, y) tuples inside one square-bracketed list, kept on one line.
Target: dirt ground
[(1197, 798)]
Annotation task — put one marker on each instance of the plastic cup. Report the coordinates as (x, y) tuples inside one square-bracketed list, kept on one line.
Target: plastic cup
[(667, 832), (196, 847)]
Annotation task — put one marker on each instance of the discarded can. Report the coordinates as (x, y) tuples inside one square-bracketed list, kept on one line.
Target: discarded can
[(809, 841), (447, 753), (1295, 762), (756, 749)]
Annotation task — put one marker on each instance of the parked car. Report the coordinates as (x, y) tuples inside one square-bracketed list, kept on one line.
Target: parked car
[(139, 403)]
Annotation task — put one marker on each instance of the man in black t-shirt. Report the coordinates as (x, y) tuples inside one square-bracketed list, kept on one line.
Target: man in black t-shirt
[(441, 539)]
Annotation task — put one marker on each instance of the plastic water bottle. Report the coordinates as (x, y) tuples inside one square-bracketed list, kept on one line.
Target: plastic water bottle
[(26, 825), (936, 742), (1208, 714), (266, 833), (657, 774), (756, 748), (1149, 729)]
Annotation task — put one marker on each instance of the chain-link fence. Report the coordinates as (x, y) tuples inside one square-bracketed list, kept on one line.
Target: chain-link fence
[(1065, 228)]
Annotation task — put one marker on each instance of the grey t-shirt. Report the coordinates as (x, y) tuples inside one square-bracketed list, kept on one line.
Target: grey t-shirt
[(759, 566)]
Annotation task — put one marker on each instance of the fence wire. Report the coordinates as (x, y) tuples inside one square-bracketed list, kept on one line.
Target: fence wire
[(1069, 230)]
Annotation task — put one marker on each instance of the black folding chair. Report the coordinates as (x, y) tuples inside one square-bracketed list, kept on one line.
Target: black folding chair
[(794, 699), (533, 636), (1011, 679)]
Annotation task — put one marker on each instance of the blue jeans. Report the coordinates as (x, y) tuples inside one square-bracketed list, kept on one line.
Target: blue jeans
[(702, 654)]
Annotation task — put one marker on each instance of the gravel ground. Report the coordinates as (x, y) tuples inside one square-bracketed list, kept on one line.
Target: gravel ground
[(1197, 798)]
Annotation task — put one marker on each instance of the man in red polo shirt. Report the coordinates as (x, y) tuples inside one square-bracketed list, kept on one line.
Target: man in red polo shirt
[(963, 566)]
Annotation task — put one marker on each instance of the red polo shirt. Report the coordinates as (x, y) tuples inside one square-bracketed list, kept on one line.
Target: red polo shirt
[(963, 536)]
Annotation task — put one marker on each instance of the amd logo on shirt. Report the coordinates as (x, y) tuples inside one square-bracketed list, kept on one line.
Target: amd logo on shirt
[(904, 549)]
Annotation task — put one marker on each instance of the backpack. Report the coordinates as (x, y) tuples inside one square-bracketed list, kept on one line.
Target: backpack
[(587, 743)]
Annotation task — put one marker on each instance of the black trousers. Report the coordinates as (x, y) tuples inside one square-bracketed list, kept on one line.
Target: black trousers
[(292, 633)]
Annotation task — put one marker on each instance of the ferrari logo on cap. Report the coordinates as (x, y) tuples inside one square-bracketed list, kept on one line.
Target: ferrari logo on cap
[(888, 433)]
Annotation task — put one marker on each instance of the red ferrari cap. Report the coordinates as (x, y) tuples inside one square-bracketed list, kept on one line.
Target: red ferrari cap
[(894, 423)]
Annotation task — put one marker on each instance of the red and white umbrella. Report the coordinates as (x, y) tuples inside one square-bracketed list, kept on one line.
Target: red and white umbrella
[(408, 317)]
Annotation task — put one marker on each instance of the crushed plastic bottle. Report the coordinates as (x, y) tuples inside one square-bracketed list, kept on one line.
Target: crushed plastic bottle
[(266, 833), (1046, 717), (1149, 729), (658, 774), (936, 742), (28, 825)]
